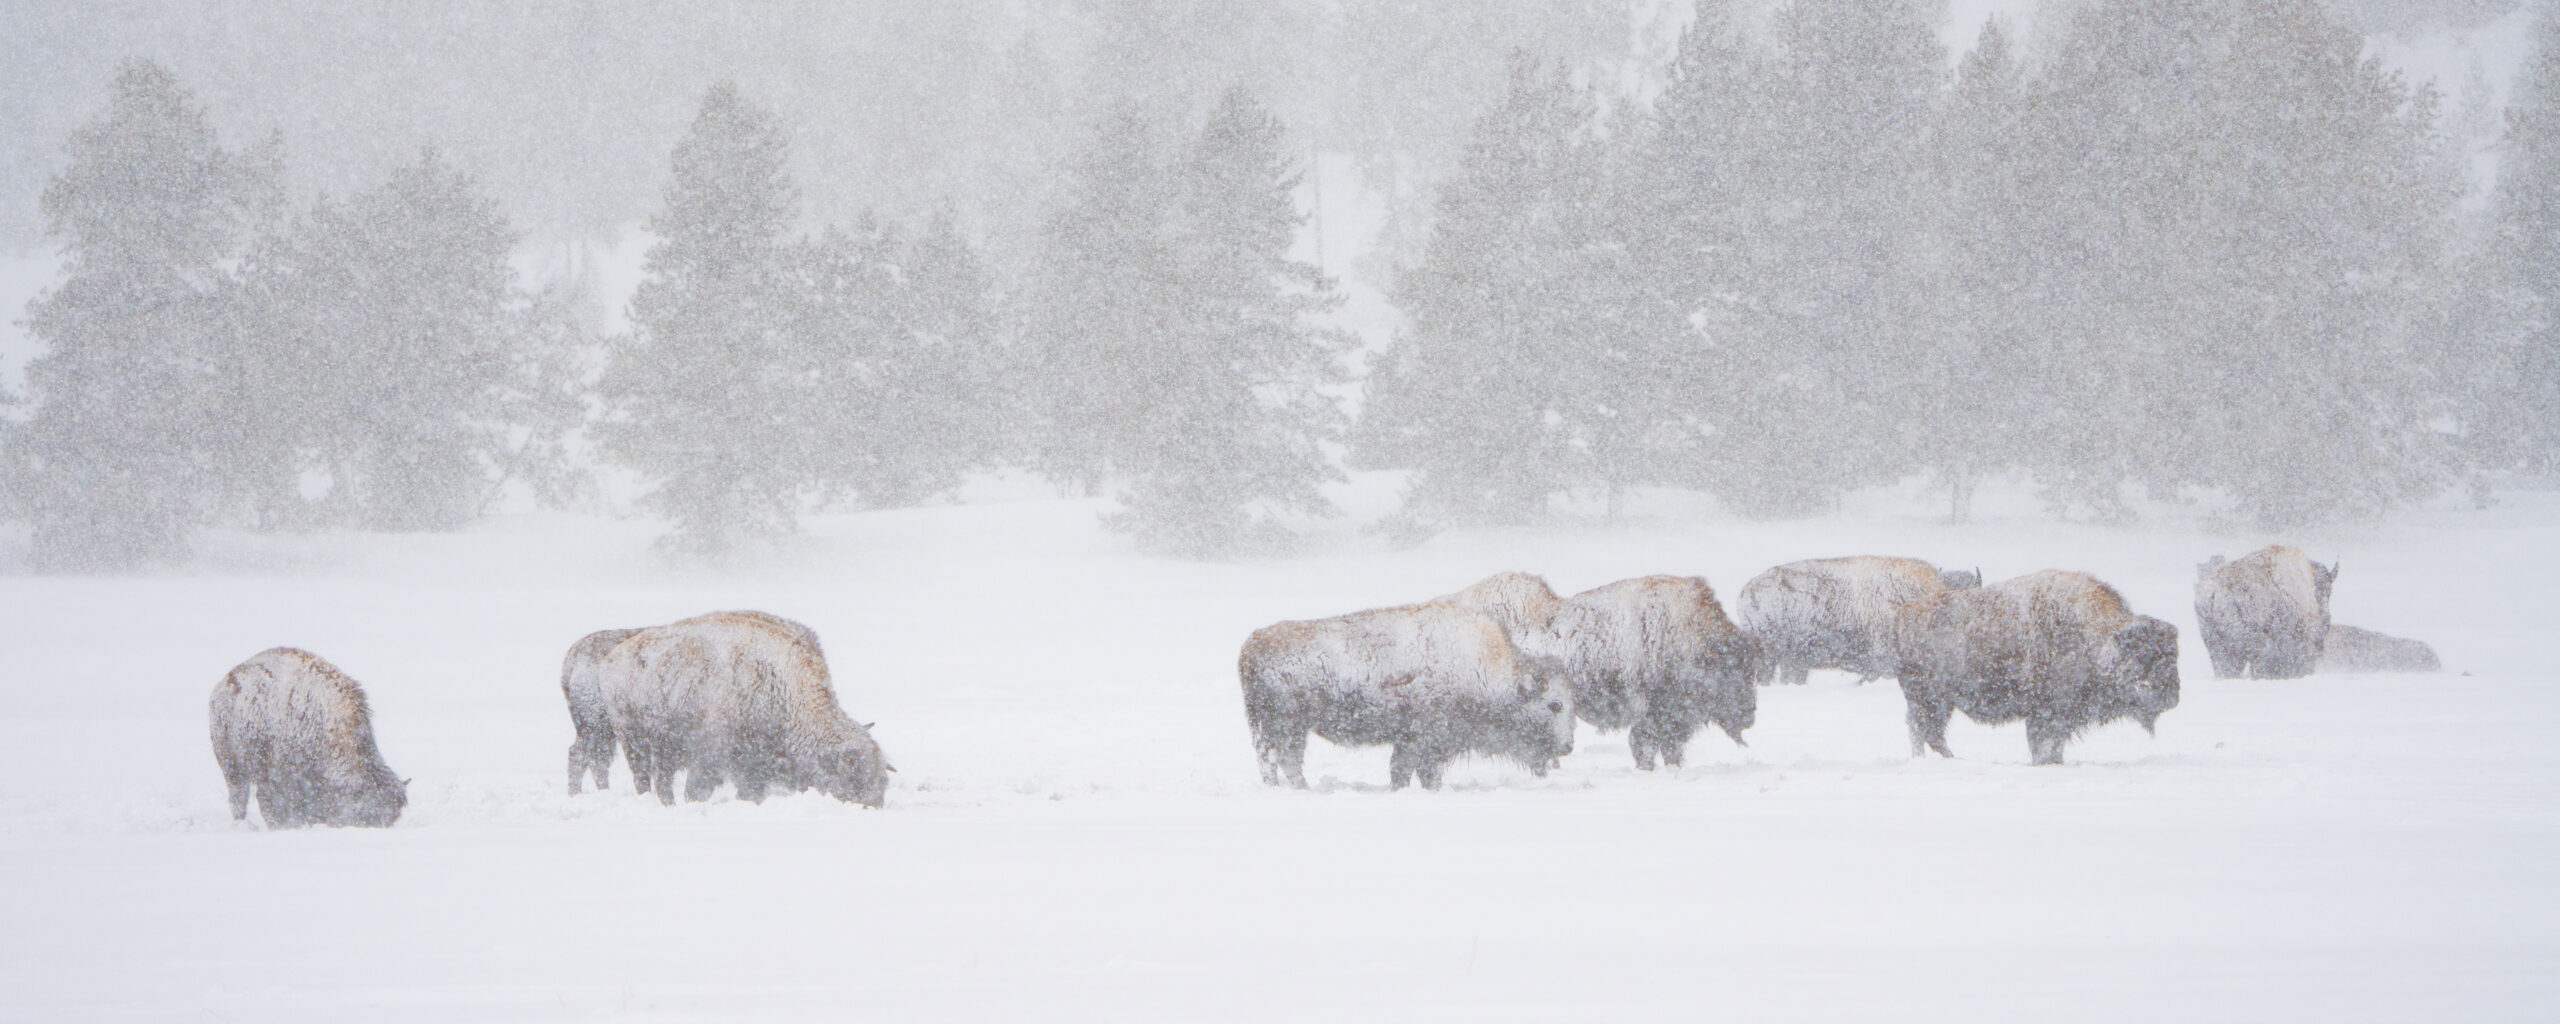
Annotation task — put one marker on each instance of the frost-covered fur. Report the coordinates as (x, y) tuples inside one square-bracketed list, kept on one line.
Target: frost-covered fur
[(592, 751), (294, 730), (1435, 680), (2352, 649), (2265, 615), (2056, 649), (1840, 613), (1656, 656), (741, 697), (1521, 603)]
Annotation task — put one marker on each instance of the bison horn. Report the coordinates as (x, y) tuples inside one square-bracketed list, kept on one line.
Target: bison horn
[(867, 725), (1736, 734)]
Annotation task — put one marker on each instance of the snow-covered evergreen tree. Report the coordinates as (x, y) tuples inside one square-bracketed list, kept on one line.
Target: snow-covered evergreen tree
[(1959, 403), (711, 396), (1096, 312), (1850, 89), (387, 326), (135, 436), (2515, 368), (1237, 409), (945, 405), (1473, 396), (2242, 219)]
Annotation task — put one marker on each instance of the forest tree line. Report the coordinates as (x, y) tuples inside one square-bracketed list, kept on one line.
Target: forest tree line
[(2182, 247)]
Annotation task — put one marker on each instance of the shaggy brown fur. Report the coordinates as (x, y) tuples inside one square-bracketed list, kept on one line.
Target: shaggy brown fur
[(1840, 613), (1656, 656), (742, 697), (2056, 649), (1434, 680), (292, 729), (2265, 615), (2350, 649)]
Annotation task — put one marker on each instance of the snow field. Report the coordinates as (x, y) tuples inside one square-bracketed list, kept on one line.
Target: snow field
[(1077, 831)]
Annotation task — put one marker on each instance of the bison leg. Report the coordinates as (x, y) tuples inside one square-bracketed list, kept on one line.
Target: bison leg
[(238, 782), (1794, 674), (638, 757), (1401, 764), (1281, 750), (1428, 772), (751, 785), (1640, 743), (1928, 720), (2045, 740), (699, 783)]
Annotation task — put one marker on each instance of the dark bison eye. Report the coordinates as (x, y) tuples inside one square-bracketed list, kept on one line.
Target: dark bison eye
[(1555, 705)]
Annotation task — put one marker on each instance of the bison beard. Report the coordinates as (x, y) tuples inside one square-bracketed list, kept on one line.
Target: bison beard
[(2058, 650), (294, 731), (1435, 681)]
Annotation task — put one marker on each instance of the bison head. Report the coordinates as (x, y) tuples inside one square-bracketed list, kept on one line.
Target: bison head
[(369, 803), (2143, 680), (1546, 709), (853, 770)]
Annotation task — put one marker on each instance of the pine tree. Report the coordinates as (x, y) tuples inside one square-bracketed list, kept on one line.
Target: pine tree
[(1961, 400), (1687, 200), (711, 396), (2516, 365), (389, 323), (2244, 215), (133, 440), (1238, 410), (954, 406), (1849, 95), (1470, 397), (1096, 312)]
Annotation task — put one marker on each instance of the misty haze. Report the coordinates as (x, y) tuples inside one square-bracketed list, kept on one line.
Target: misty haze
[(1314, 509)]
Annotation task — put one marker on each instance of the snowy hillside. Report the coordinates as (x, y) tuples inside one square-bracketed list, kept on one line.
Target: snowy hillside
[(1077, 832)]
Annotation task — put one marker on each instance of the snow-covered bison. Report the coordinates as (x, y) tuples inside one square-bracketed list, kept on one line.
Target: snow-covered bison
[(580, 672), (2265, 615), (1840, 613), (740, 697), (1435, 680), (291, 728), (2056, 649), (591, 752), (2352, 649), (1656, 656)]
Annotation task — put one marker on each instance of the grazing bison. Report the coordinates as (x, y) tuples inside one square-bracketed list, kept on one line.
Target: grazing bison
[(2056, 649), (1840, 613), (1435, 680), (2265, 615), (742, 697), (1656, 656), (2350, 649), (592, 751), (290, 727)]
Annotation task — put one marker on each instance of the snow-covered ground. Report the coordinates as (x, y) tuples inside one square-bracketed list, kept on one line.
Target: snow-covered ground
[(1077, 830)]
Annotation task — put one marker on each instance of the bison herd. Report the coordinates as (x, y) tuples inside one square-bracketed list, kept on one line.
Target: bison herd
[(1478, 670), (1503, 668)]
